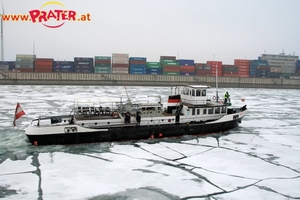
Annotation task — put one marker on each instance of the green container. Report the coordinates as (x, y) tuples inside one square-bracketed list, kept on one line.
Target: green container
[(153, 66), (102, 65), (152, 63), (102, 58), (164, 62), (102, 69), (171, 73), (167, 60)]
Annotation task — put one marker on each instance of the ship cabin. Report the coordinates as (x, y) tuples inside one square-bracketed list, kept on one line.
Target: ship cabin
[(193, 94), (197, 106)]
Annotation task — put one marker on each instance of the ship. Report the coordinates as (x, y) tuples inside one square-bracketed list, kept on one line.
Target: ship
[(189, 111)]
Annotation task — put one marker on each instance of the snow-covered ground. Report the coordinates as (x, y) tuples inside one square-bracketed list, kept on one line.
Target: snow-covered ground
[(258, 160)]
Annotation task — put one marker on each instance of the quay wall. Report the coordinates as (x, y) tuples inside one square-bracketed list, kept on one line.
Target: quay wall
[(19, 78)]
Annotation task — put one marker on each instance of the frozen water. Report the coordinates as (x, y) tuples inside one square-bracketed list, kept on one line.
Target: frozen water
[(258, 160)]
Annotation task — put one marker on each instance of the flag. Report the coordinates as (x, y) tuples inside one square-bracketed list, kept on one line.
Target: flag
[(18, 113)]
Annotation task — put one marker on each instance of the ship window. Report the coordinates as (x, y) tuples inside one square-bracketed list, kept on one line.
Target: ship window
[(193, 111), (223, 109), (198, 93), (210, 111), (198, 111), (217, 110), (193, 92), (203, 92), (204, 111)]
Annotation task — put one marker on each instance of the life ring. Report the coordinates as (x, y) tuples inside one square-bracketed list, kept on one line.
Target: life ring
[(115, 115), (214, 97)]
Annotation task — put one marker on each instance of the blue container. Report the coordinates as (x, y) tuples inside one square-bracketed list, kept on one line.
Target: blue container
[(298, 65), (183, 62), (187, 74), (83, 69), (77, 59), (63, 66), (10, 65), (138, 58), (153, 71), (259, 63), (137, 66), (133, 70)]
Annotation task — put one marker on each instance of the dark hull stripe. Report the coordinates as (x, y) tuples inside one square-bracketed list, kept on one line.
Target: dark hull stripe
[(133, 133)]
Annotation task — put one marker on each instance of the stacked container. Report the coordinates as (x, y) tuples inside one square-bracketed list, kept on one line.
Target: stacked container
[(7, 65), (243, 67), (169, 65), (83, 65), (137, 65), (120, 63), (153, 68), (202, 69), (25, 62), (187, 67), (215, 67), (298, 68), (103, 64), (253, 66), (44, 65), (63, 66), (263, 71), (230, 71)]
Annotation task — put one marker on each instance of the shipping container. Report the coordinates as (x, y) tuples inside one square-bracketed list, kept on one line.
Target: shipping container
[(137, 70), (7, 65), (102, 70), (169, 63), (137, 66), (187, 69), (187, 73), (167, 58), (63, 66), (120, 55), (171, 73), (120, 65), (153, 71), (25, 57), (102, 58), (83, 59), (137, 59), (137, 62), (107, 62), (187, 62), (171, 68), (241, 62), (298, 65), (203, 73)]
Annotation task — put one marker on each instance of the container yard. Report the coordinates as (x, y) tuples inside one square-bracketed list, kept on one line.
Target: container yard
[(22, 78), (122, 69)]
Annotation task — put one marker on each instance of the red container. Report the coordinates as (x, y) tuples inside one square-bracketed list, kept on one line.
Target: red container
[(186, 67), (203, 73), (103, 62), (241, 62), (137, 62), (44, 59), (120, 65), (230, 75), (171, 68), (167, 57), (199, 64)]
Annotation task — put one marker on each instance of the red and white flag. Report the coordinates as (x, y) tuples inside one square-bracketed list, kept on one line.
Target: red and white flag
[(18, 113)]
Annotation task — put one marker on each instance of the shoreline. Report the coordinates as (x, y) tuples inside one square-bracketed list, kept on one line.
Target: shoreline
[(19, 78)]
